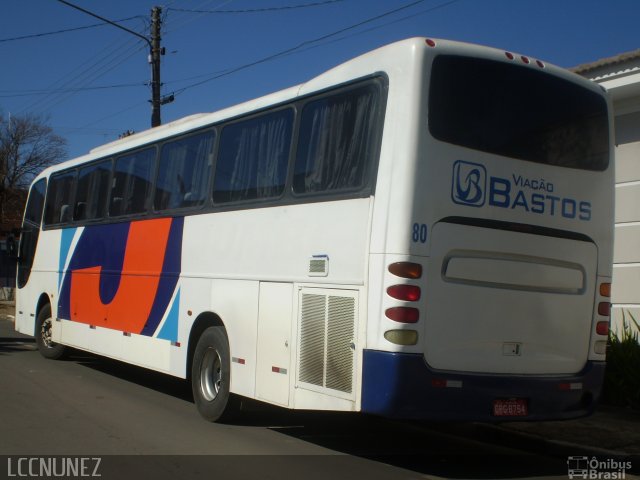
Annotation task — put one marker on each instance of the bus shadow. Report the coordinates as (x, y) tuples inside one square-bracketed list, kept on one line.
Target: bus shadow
[(443, 450), (156, 381)]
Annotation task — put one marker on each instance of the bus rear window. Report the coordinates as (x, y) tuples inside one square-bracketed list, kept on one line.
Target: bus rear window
[(517, 111)]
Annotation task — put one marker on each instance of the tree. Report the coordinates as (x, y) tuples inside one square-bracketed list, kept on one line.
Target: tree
[(27, 146)]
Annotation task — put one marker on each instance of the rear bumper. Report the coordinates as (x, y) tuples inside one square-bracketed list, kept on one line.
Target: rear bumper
[(401, 385)]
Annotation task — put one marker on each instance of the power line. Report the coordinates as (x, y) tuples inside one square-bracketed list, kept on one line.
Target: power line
[(307, 43), (78, 78), (66, 30), (375, 27), (304, 45), (189, 18), (259, 10), (35, 92), (86, 72), (155, 52)]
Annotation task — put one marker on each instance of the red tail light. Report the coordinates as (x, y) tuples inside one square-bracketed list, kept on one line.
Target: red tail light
[(409, 293), (403, 314), (604, 309), (602, 328)]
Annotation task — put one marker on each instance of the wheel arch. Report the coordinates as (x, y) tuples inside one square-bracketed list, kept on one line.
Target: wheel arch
[(201, 323), (43, 300)]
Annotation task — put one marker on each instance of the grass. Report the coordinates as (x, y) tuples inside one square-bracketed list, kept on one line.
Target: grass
[(622, 377)]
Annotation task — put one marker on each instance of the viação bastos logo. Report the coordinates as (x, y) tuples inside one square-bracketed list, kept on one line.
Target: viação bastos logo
[(472, 186)]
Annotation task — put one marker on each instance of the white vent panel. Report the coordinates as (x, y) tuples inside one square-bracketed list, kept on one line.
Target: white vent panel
[(326, 340)]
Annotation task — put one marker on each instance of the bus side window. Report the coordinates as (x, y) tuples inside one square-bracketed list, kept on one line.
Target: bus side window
[(183, 172), (336, 141), (59, 198), (30, 231), (92, 192), (132, 180), (253, 156)]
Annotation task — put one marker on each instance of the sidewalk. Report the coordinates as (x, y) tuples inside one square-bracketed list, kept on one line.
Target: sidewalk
[(7, 309)]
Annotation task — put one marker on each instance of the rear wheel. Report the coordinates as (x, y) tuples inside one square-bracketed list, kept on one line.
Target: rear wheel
[(47, 348), (211, 377)]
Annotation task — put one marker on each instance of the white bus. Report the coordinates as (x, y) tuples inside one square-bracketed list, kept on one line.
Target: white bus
[(424, 231)]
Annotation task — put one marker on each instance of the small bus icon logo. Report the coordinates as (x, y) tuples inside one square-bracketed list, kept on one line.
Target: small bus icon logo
[(578, 467), (469, 183)]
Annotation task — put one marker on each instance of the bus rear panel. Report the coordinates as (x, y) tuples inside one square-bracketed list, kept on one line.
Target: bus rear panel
[(498, 308)]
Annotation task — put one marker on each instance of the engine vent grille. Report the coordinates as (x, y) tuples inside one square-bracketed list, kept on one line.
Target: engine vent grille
[(327, 327)]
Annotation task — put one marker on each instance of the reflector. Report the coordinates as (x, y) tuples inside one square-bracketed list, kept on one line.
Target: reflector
[(403, 314), (406, 269), (402, 337)]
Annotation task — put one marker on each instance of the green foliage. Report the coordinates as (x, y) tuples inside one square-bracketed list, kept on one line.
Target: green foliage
[(622, 378)]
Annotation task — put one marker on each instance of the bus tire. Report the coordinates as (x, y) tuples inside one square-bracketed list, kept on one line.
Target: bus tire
[(211, 377), (46, 347)]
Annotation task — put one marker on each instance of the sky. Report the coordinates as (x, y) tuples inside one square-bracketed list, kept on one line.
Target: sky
[(91, 84)]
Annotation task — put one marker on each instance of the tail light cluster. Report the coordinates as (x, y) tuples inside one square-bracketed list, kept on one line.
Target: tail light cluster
[(602, 326), (406, 293)]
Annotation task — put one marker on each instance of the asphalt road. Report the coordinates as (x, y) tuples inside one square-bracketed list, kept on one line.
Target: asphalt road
[(144, 425)]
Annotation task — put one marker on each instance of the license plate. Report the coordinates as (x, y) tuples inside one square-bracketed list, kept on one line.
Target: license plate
[(511, 407)]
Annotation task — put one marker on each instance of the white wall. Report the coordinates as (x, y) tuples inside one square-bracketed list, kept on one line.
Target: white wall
[(626, 256)]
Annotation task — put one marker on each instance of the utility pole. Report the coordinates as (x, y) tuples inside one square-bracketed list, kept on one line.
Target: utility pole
[(155, 51), (154, 59)]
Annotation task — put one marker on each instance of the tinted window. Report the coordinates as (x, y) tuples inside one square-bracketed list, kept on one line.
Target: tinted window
[(131, 184), (59, 208), (92, 192), (30, 231), (253, 157), (183, 172), (35, 204), (336, 143), (517, 111)]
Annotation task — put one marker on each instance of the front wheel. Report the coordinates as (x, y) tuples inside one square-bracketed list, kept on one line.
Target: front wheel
[(211, 377), (47, 348)]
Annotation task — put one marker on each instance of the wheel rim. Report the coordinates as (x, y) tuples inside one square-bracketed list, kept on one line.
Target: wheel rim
[(45, 333), (211, 374)]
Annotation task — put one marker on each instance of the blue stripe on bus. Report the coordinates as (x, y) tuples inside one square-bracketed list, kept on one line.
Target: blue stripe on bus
[(65, 244), (169, 330)]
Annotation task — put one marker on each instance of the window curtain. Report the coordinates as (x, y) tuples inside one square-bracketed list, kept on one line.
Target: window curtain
[(335, 152), (254, 157)]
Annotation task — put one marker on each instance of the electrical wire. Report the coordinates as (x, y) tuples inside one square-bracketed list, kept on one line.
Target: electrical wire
[(307, 43), (177, 21), (36, 92), (83, 75), (259, 10), (67, 30), (86, 73), (371, 29)]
